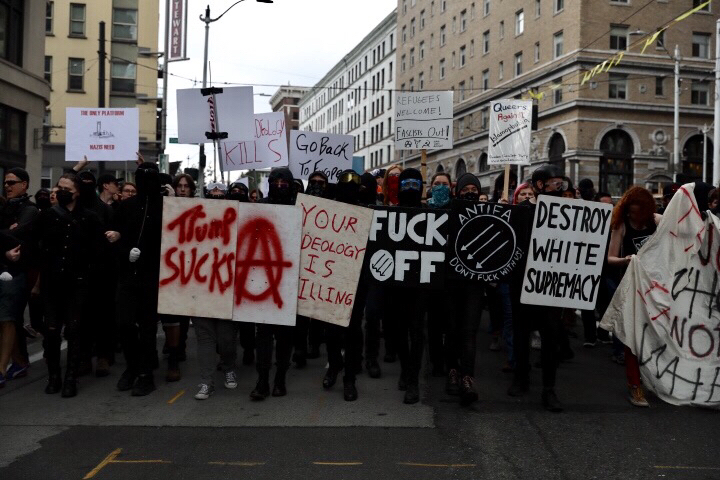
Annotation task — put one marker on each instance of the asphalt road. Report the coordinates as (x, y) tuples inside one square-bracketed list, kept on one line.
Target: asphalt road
[(311, 433)]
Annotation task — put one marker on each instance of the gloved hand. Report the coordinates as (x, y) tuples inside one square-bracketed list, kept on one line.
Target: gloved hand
[(134, 255)]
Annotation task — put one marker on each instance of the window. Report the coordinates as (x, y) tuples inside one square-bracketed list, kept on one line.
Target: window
[(412, 28), (442, 35), (461, 88), (699, 93), (618, 38), (559, 5), (501, 70), (617, 86), (537, 52), (462, 56), (518, 64), (390, 72), (701, 45), (485, 79), (49, 11), (472, 11), (486, 8), (484, 118), (404, 34), (472, 48), (421, 81), (412, 57), (402, 63), (412, 84), (557, 91), (11, 30), (77, 19), (76, 73), (453, 59), (124, 24), (461, 127), (431, 72), (421, 54), (659, 86), (432, 40), (443, 6), (537, 8), (454, 24), (48, 69), (486, 41), (442, 69), (519, 22), (12, 134), (616, 163), (558, 45), (502, 29), (404, 7), (422, 20), (697, 3), (660, 42), (463, 21)]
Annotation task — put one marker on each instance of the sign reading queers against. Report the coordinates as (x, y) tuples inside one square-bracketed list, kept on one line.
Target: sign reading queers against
[(325, 152), (334, 237), (105, 134), (483, 246), (267, 149), (423, 120), (510, 132), (407, 246), (567, 249)]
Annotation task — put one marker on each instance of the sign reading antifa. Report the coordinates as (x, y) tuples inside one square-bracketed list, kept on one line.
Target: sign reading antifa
[(667, 307), (567, 250), (484, 246), (407, 246)]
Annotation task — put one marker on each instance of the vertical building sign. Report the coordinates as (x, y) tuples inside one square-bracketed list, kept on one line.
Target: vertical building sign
[(177, 45)]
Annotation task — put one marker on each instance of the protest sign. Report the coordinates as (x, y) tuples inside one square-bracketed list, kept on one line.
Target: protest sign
[(407, 246), (267, 148), (510, 132), (423, 120), (331, 257), (325, 152), (227, 111), (483, 243), (666, 307), (567, 250), (197, 255), (104, 134), (267, 263)]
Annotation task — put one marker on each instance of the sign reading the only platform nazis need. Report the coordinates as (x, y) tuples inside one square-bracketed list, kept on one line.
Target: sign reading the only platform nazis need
[(567, 250), (407, 246), (510, 132)]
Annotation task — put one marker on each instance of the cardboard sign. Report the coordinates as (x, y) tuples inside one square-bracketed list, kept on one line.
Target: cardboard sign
[(331, 257), (483, 244), (197, 253), (407, 246), (423, 120), (567, 250), (105, 134), (268, 147), (267, 263), (665, 309), (229, 111), (326, 152), (510, 132)]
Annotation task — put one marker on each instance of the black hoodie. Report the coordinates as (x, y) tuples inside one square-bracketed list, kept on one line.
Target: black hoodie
[(410, 198), (280, 196)]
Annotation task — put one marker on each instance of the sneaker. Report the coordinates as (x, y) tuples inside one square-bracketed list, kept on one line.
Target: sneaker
[(469, 395), (535, 342), (589, 344), (230, 379), (204, 392), (637, 396), (452, 385), (16, 371), (619, 359), (495, 344)]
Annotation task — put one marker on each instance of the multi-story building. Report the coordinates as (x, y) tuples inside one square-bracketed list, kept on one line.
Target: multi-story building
[(356, 96), (24, 93), (287, 100), (615, 128), (72, 66)]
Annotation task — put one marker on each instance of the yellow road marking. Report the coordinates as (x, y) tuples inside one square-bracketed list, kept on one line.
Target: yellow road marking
[(173, 399), (667, 467), (238, 464), (103, 464), (141, 461), (338, 464), (438, 465)]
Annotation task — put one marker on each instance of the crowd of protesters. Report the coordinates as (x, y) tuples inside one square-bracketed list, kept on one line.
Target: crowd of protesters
[(83, 258)]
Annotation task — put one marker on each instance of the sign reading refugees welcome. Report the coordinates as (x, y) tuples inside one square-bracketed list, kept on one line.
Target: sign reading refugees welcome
[(423, 120)]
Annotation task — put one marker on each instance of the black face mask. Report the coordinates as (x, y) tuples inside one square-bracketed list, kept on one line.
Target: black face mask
[(239, 196), (409, 198), (315, 189), (347, 192), (555, 193), (64, 198), (280, 193), (148, 181), (470, 196)]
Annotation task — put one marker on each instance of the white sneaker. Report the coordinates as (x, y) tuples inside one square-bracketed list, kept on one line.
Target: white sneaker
[(204, 392), (230, 379)]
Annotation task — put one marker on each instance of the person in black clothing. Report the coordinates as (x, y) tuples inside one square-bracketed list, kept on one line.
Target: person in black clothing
[(69, 238), (138, 220), (280, 192)]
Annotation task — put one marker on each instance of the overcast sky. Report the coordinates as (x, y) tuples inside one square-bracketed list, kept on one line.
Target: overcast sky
[(289, 41)]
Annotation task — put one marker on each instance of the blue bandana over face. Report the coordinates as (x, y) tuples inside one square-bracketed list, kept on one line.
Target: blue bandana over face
[(440, 196)]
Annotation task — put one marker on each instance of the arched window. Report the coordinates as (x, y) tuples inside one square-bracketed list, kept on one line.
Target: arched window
[(439, 168), (482, 163), (460, 168), (556, 150), (692, 158), (616, 162)]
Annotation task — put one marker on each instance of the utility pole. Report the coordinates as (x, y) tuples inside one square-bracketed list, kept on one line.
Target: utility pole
[(676, 120), (101, 78), (716, 134), (166, 56)]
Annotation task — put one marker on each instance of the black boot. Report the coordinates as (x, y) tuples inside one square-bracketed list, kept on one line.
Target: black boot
[(350, 392), (330, 378), (412, 394), (69, 388), (127, 380), (54, 383), (279, 390), (173, 371), (373, 368), (248, 356), (262, 389), (144, 385), (550, 400)]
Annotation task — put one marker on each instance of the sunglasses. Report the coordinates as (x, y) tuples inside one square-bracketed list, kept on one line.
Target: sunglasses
[(12, 182), (410, 184), (349, 178)]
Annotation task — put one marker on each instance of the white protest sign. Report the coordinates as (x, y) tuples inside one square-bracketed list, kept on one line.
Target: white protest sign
[(333, 246), (566, 254), (423, 120), (106, 134), (267, 263), (231, 111), (665, 309), (197, 257), (267, 148), (315, 151), (510, 132)]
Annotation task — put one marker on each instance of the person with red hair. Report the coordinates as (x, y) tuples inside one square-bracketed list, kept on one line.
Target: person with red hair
[(633, 222)]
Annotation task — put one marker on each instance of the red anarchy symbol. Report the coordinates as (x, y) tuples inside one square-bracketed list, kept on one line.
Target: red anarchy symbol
[(261, 235)]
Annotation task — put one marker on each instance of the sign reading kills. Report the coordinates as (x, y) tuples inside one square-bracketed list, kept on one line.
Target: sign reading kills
[(483, 243), (325, 152), (423, 120), (407, 246), (567, 250), (267, 149), (105, 134), (510, 132)]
